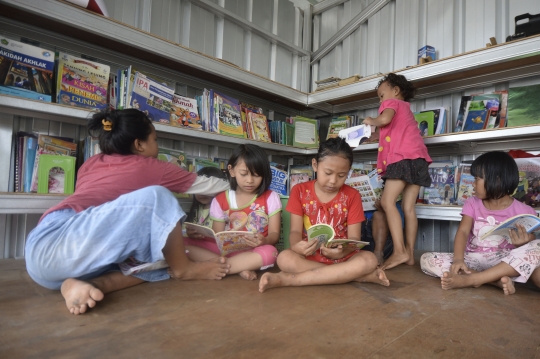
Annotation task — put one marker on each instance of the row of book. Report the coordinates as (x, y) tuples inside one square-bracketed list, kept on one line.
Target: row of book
[(453, 184)]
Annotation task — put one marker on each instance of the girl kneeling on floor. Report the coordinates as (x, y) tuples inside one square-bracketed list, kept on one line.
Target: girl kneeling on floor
[(325, 200)]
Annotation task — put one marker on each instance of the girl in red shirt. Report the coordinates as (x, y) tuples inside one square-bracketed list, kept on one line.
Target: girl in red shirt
[(325, 200)]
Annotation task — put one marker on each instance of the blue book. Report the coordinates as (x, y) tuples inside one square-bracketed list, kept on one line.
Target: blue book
[(475, 120), (31, 147)]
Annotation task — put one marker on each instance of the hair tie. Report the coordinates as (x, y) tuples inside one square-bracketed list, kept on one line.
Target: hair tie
[(107, 125)]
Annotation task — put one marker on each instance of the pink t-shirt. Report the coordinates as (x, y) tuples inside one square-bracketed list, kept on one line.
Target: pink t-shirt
[(104, 178), (400, 139), (485, 219)]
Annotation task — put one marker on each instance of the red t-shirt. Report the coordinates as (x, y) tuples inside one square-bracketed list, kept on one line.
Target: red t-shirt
[(344, 209), (104, 178)]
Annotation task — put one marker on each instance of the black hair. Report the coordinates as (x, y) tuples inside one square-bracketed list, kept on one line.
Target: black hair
[(335, 147), (499, 171), (406, 87), (257, 163), (208, 172), (127, 126)]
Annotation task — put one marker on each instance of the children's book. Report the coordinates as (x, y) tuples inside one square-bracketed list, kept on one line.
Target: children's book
[(279, 180), (324, 235), (335, 127), (531, 223), (259, 126), (26, 70), (228, 111), (300, 174), (528, 189), (442, 186), (475, 120), (227, 241), (245, 108), (132, 266), (464, 183), (152, 98), (81, 82), (184, 112), (426, 122), (306, 132), (172, 156), (523, 105), (289, 134), (370, 187), (356, 135), (462, 112)]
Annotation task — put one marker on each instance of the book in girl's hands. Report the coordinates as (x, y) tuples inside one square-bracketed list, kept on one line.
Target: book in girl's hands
[(530, 221), (324, 235), (227, 241), (132, 266), (356, 135)]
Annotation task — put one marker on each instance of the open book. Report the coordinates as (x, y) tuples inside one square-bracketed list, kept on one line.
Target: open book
[(529, 221), (132, 266), (324, 234), (227, 241)]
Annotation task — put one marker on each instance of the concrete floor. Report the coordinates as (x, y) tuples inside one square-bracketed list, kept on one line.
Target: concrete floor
[(413, 318)]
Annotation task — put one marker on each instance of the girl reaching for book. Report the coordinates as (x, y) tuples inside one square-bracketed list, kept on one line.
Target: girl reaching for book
[(477, 261), (402, 161), (248, 206), (325, 200), (122, 207)]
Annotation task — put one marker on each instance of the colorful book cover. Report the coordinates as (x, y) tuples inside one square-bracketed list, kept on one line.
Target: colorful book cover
[(475, 119), (229, 115), (465, 184), (300, 174), (426, 122), (259, 126), (463, 108), (152, 98), (279, 181), (26, 70), (245, 109), (184, 112), (442, 186), (335, 126), (528, 189), (81, 83), (523, 105)]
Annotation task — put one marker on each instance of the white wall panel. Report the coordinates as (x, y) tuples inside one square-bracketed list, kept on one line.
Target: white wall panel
[(166, 18), (202, 31)]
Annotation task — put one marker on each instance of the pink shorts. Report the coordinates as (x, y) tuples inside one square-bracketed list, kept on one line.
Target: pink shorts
[(267, 252)]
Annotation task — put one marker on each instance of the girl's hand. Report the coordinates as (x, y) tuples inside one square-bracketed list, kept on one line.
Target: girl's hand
[(191, 233), (459, 265), (305, 248), (520, 236), (255, 239), (333, 253), (368, 121)]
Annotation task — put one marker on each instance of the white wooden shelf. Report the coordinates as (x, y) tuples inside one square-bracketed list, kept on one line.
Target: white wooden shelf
[(55, 112)]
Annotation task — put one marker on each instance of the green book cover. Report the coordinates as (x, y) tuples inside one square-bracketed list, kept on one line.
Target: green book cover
[(523, 106), (426, 123), (306, 134)]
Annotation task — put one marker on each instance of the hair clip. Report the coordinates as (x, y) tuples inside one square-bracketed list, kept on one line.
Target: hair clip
[(107, 125)]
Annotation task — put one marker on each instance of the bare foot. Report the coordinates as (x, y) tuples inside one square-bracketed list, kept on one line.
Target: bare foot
[(272, 280), (380, 258), (377, 276), (452, 281), (410, 262), (396, 259), (80, 295), (506, 284), (215, 269), (248, 274)]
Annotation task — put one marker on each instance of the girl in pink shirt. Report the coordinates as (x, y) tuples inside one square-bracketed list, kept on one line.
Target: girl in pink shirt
[(402, 162)]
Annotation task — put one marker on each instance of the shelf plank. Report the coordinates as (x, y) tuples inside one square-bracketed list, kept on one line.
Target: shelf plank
[(79, 116), (28, 203)]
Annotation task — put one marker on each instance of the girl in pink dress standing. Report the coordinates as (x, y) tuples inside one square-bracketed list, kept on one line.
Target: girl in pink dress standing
[(402, 162)]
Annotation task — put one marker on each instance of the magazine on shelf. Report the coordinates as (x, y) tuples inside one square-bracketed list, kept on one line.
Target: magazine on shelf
[(227, 241), (306, 132), (370, 187), (26, 70), (81, 82), (335, 127), (300, 174), (259, 126), (229, 117), (324, 235), (528, 189), (442, 189), (531, 223), (279, 181), (152, 98), (464, 180), (426, 122), (522, 108)]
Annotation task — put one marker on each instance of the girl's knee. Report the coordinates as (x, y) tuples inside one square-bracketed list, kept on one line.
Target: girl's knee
[(286, 259), (268, 253), (368, 259)]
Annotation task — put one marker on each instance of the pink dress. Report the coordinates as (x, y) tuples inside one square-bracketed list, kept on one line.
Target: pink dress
[(400, 139)]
